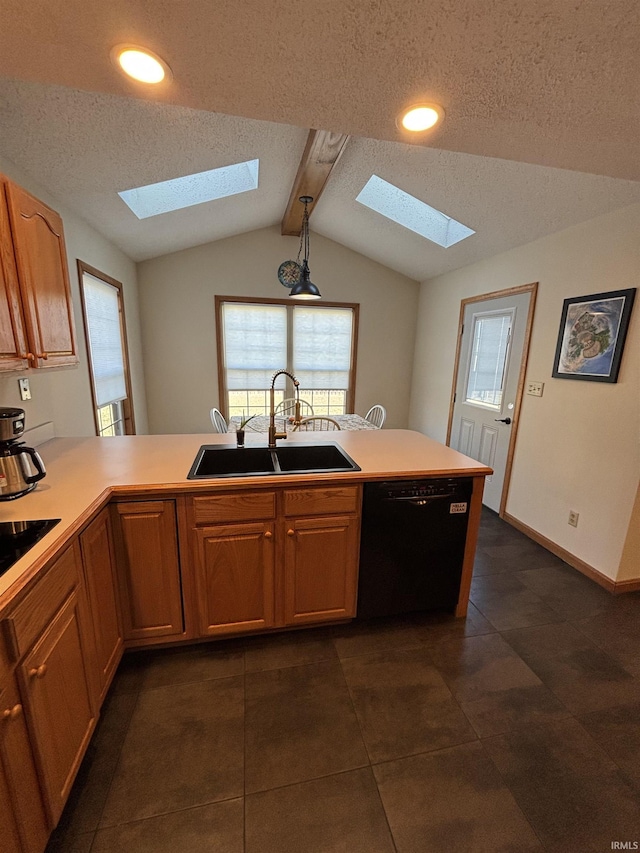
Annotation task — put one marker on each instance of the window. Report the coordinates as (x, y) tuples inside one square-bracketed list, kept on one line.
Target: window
[(105, 333), (258, 337), (489, 351)]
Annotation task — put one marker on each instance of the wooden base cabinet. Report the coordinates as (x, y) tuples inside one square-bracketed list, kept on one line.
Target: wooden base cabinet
[(233, 547), (274, 558), (98, 560), (23, 825), (322, 545), (145, 536), (53, 644), (235, 571), (320, 569)]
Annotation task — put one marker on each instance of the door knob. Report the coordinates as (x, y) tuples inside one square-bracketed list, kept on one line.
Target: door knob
[(38, 672), (503, 420)]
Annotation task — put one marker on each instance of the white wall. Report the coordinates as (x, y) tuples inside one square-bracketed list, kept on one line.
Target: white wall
[(578, 446), (63, 395), (178, 321)]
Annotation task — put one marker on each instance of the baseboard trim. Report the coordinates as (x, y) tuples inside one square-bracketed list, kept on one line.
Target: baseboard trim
[(608, 583), (628, 586)]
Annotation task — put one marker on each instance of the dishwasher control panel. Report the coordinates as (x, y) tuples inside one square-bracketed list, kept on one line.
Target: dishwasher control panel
[(412, 489)]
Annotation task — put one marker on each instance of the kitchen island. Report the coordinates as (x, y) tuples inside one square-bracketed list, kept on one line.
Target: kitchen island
[(143, 556), (84, 474)]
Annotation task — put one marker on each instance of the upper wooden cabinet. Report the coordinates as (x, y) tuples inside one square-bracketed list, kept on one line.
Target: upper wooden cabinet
[(36, 312)]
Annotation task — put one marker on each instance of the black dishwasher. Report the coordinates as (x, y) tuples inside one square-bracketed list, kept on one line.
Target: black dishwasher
[(412, 545)]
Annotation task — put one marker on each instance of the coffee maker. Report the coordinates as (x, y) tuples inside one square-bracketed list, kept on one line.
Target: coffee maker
[(20, 467)]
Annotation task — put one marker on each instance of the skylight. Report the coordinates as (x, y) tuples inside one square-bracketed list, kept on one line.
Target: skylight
[(412, 213), (191, 189)]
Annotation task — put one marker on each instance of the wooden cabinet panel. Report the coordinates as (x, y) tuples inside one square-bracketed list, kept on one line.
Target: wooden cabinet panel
[(235, 578), (41, 261), (13, 340), (242, 506), (56, 688), (32, 615), (148, 569), (321, 569), (8, 826), (321, 501), (99, 566), (19, 789)]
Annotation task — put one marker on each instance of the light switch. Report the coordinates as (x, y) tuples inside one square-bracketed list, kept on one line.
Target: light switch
[(25, 391), (535, 388)]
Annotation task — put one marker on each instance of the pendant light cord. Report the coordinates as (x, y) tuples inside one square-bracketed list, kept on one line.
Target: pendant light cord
[(304, 236)]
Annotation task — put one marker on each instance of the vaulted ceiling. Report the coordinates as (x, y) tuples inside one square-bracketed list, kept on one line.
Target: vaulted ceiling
[(541, 129)]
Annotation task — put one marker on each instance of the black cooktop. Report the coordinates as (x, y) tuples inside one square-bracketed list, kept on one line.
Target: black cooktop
[(17, 537)]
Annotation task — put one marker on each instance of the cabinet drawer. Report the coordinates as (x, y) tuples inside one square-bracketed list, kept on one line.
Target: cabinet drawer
[(240, 506), (33, 614), (321, 501)]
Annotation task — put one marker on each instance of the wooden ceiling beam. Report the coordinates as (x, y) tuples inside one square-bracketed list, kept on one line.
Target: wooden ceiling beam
[(321, 153)]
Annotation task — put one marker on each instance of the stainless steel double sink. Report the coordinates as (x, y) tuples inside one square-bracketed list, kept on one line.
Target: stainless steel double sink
[(221, 460)]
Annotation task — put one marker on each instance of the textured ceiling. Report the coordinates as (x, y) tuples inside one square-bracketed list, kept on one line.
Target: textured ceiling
[(553, 82), (541, 132)]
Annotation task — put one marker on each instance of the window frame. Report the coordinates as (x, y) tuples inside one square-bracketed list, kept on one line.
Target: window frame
[(223, 396), (127, 403)]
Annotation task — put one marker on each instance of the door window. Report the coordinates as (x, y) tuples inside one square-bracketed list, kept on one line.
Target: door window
[(487, 365)]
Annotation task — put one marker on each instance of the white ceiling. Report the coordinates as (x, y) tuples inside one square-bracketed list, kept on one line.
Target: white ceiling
[(536, 95)]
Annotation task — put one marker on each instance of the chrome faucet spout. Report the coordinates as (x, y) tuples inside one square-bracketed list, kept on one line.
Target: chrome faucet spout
[(273, 433)]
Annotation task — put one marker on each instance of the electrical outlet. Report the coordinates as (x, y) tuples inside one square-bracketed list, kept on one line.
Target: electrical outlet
[(535, 388), (573, 518), (25, 391)]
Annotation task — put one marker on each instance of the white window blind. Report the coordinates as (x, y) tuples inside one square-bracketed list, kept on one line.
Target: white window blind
[(104, 340), (255, 344), (488, 359), (322, 347)]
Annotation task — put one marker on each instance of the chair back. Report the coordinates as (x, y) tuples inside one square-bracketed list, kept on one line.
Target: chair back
[(288, 407), (218, 421), (376, 415), (317, 422)]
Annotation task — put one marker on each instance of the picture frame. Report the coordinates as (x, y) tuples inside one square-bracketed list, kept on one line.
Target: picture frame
[(591, 337)]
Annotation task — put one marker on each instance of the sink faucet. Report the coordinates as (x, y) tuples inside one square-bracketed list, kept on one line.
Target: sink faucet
[(273, 433)]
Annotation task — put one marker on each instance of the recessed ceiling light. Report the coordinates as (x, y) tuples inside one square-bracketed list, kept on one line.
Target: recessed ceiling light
[(186, 191), (420, 117), (140, 63), (411, 213)]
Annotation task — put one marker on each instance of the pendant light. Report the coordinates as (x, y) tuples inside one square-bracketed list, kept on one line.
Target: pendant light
[(304, 288)]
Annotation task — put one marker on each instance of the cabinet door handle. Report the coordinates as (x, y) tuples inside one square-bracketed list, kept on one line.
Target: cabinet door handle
[(28, 355), (39, 671), (12, 713), (268, 534), (44, 355), (291, 532)]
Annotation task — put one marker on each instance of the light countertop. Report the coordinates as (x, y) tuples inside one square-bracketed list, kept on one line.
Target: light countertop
[(83, 473)]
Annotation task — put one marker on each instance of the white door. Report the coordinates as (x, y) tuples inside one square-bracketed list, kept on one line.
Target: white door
[(486, 387)]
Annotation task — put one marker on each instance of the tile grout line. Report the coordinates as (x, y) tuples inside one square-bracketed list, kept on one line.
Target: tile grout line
[(115, 769)]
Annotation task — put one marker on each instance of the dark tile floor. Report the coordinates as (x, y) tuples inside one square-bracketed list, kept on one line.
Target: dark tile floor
[(517, 729)]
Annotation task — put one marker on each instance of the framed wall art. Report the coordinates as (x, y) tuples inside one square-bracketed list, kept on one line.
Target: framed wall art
[(592, 334)]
